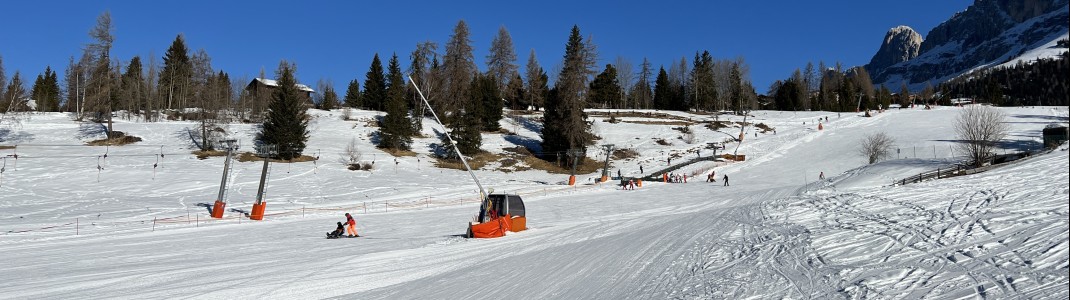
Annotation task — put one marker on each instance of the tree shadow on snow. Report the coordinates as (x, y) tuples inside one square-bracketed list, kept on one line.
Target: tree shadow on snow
[(530, 125), (10, 136), (1042, 117), (531, 144), (92, 131)]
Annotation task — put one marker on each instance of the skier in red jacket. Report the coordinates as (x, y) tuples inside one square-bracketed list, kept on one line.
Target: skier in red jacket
[(351, 226)]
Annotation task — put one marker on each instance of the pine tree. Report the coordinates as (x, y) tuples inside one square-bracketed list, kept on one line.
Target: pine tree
[(565, 125), (330, 98), (485, 92), (501, 62), (286, 124), (458, 67), (133, 85), (466, 125), (605, 89), (642, 93), (514, 93), (352, 98), (14, 95), (662, 91), (175, 76), (3, 77), (395, 132), (704, 85), (374, 95), (536, 88)]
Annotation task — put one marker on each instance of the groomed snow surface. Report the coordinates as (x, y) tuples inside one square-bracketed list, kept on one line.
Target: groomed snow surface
[(69, 229)]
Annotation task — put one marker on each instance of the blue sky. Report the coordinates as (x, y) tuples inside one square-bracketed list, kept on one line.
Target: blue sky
[(335, 40)]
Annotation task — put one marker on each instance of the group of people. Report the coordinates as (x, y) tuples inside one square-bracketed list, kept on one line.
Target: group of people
[(627, 184), (676, 178), (348, 229), (713, 178)]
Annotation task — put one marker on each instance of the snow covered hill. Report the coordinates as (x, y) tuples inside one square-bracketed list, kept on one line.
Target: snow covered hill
[(775, 232)]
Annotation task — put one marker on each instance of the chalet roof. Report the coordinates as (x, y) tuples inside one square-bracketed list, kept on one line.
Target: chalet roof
[(271, 82)]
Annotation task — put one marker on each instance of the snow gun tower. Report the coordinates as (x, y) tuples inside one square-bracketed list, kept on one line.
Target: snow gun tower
[(220, 202), (498, 213), (265, 151)]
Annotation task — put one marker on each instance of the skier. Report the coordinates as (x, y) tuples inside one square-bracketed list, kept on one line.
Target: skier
[(685, 178), (337, 231), (821, 176), (352, 229), (618, 174), (725, 179), (641, 170)]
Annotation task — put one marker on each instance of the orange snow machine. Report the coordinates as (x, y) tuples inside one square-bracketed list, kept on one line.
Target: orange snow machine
[(498, 214)]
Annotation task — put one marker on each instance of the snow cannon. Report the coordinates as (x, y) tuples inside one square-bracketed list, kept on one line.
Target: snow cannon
[(571, 179), (498, 214)]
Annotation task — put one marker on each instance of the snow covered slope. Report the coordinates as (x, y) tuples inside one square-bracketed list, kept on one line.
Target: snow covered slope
[(775, 232)]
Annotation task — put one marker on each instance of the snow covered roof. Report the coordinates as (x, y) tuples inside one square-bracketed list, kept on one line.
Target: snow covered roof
[(271, 82)]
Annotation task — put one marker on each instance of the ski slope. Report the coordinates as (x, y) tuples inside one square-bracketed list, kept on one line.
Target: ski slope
[(776, 232)]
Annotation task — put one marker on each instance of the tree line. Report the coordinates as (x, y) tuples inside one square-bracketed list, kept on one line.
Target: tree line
[(183, 85)]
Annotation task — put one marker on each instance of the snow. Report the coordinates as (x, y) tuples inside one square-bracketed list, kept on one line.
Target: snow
[(272, 82), (776, 232)]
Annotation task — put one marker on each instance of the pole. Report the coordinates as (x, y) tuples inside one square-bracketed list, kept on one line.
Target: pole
[(223, 182), (75, 226), (153, 224), (198, 220), (263, 178), (454, 144), (609, 150)]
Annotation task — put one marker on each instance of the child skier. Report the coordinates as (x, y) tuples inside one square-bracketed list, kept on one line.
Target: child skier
[(352, 229), (337, 231)]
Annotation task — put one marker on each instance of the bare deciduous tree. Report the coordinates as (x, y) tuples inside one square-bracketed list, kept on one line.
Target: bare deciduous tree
[(876, 146), (980, 128)]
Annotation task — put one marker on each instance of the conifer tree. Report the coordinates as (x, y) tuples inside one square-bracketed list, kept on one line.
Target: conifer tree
[(514, 93), (286, 124), (3, 77), (466, 125), (536, 88), (352, 98), (330, 98), (605, 89), (501, 63), (662, 91), (14, 94), (485, 92), (176, 74), (374, 95), (565, 125), (458, 67), (395, 132), (641, 92)]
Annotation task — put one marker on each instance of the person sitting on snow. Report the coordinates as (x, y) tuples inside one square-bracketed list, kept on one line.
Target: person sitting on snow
[(338, 232)]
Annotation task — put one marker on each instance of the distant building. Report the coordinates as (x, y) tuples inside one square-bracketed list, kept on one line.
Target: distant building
[(961, 101), (261, 87)]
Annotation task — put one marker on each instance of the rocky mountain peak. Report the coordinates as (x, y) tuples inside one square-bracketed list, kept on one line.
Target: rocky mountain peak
[(901, 43)]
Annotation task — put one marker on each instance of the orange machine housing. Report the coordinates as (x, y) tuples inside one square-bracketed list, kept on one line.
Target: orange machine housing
[(218, 208)]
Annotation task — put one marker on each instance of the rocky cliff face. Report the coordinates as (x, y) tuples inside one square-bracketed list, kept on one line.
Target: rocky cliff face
[(900, 44), (987, 33)]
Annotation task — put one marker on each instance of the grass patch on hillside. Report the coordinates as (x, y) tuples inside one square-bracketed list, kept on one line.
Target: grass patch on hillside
[(670, 123), (202, 154), (249, 156), (475, 161), (587, 166), (116, 138), (624, 154), (399, 153), (763, 127), (6, 147)]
